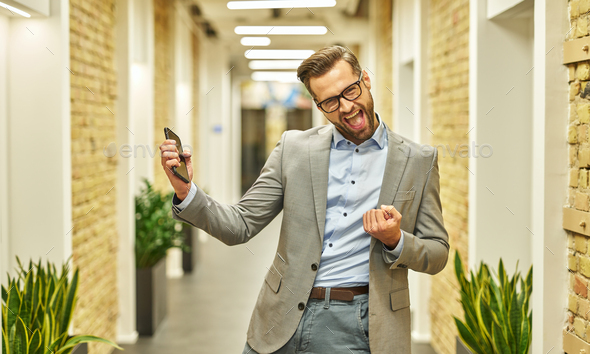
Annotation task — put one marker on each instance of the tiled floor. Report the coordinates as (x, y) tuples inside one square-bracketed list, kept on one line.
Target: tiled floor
[(209, 310)]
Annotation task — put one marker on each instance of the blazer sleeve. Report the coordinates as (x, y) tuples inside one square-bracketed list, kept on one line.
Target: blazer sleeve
[(426, 250), (236, 224)]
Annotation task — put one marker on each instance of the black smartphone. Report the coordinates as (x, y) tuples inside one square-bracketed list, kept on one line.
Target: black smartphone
[(180, 171)]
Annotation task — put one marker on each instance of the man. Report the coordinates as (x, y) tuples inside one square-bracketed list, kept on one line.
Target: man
[(338, 282)]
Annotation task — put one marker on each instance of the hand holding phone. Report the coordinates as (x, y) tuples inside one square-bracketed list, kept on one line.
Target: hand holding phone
[(176, 163)]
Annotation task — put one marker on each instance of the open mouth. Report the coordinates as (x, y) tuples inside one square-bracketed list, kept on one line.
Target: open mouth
[(356, 120)]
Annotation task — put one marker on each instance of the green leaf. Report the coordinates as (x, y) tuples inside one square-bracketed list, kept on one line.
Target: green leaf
[(500, 342), (468, 337), (5, 349), (525, 337), (516, 314), (72, 342), (55, 344), (485, 319), (35, 343), (70, 304), (21, 338), (12, 305), (11, 337)]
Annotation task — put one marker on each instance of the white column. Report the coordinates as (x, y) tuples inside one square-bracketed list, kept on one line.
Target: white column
[(236, 139), (183, 104), (4, 219), (410, 65), (549, 177), (142, 92), (39, 163), (404, 40), (215, 144), (126, 322)]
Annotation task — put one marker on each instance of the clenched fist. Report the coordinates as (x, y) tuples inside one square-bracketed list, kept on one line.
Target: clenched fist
[(383, 224)]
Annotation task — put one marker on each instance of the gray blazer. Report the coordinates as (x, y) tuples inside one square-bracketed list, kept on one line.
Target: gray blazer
[(295, 180)]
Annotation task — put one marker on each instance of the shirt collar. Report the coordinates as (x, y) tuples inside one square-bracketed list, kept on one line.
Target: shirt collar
[(378, 137)]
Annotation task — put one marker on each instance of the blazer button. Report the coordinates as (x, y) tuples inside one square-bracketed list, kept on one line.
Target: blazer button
[(301, 306), (314, 267)]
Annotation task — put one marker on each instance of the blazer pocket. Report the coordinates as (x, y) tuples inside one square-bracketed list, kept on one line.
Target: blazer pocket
[(404, 195), (273, 279), (399, 299)]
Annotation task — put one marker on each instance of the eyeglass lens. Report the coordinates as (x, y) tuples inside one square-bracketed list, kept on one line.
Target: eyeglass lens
[(351, 93)]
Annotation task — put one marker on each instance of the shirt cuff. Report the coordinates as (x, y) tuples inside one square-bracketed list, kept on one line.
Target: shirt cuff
[(181, 205), (398, 249)]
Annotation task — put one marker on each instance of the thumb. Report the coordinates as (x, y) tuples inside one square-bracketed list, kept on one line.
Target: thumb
[(387, 211), (187, 154), (187, 160)]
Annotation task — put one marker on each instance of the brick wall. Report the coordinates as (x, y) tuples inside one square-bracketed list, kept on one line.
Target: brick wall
[(384, 74), (94, 236), (163, 77), (578, 162), (448, 87)]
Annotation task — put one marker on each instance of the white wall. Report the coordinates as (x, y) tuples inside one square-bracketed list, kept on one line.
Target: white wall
[(549, 178), (215, 146), (500, 114), (4, 219), (507, 8), (39, 197)]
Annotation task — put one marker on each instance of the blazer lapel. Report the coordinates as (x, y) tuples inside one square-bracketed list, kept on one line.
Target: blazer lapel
[(397, 158), (319, 159)]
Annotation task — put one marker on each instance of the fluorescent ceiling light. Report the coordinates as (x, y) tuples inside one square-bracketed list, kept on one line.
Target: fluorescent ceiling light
[(274, 64), (280, 76), (14, 10), (278, 54), (257, 41), (278, 4), (280, 30)]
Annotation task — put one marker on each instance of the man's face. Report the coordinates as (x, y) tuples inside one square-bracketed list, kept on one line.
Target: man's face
[(355, 119)]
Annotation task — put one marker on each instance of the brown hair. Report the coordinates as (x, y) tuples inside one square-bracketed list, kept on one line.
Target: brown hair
[(323, 60)]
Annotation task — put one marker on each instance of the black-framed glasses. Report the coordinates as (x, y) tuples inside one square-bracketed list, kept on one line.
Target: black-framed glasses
[(350, 93)]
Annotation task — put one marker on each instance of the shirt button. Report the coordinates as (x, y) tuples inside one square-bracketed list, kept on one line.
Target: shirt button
[(352, 182), (357, 150), (348, 142), (330, 245), (314, 267), (301, 306), (345, 214)]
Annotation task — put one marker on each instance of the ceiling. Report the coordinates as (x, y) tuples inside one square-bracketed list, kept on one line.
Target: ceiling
[(346, 22)]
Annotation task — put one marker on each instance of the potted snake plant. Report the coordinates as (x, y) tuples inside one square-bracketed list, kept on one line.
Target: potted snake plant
[(37, 309), (496, 310), (155, 232)]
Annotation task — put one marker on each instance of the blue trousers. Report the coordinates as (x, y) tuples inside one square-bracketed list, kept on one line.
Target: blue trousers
[(330, 326)]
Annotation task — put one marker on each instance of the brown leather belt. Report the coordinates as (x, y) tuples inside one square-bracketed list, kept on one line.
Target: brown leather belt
[(344, 294)]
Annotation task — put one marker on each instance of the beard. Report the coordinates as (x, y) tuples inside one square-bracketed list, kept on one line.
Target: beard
[(368, 130)]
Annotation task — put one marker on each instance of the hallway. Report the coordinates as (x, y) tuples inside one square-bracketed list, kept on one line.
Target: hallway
[(209, 310)]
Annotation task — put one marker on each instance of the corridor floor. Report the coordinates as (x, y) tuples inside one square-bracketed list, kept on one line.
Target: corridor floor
[(209, 309)]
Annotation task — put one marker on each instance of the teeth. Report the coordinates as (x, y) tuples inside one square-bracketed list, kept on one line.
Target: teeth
[(354, 119), (357, 112)]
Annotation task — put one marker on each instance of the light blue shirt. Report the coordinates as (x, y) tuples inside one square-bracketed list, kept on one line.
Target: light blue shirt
[(354, 185)]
